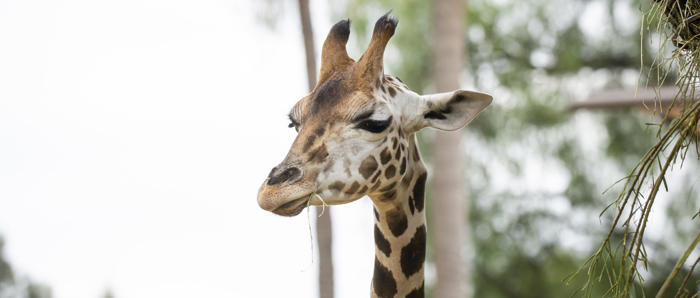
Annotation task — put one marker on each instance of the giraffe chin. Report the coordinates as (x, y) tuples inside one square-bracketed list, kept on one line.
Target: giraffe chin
[(293, 207)]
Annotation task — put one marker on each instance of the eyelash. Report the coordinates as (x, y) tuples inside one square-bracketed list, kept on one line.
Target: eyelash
[(294, 125), (374, 126)]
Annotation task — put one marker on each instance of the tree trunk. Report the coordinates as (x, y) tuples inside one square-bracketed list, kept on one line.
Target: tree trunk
[(309, 46), (448, 211), (324, 235)]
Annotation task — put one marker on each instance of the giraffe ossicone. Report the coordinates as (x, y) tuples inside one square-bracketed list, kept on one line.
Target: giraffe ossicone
[(356, 137)]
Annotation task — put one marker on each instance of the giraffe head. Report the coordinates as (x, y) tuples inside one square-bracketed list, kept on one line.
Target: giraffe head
[(355, 130)]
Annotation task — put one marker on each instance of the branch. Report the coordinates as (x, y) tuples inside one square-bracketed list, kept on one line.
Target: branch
[(678, 267)]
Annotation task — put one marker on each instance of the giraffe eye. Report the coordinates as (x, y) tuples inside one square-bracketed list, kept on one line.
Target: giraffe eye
[(374, 126)]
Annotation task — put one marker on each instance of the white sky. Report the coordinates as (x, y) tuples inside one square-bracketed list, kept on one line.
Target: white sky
[(133, 137)]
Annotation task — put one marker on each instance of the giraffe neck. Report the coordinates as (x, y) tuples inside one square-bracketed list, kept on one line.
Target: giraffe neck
[(400, 234)]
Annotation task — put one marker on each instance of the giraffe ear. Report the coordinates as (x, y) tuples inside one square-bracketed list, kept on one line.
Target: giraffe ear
[(452, 110)]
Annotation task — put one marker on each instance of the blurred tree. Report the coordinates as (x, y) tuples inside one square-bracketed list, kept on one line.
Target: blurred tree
[(448, 227), (108, 294), (12, 286), (7, 278), (35, 290)]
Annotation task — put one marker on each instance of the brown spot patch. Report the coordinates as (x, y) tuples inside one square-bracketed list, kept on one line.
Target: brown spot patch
[(381, 242), (319, 154), (389, 196), (376, 176), (363, 190), (388, 187), (338, 186), (419, 191), (385, 156), (406, 181), (413, 254), (383, 282), (390, 172), (402, 169), (328, 94), (411, 206), (353, 188), (397, 221), (392, 91), (394, 143), (319, 131), (375, 186), (309, 142), (376, 214), (368, 166)]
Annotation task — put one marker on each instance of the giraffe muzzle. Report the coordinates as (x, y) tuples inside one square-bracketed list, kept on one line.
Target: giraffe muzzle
[(284, 192)]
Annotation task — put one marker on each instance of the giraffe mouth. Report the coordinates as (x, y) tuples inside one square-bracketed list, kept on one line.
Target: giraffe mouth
[(293, 207)]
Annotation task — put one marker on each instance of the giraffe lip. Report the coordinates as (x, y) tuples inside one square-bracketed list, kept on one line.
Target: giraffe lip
[(292, 207)]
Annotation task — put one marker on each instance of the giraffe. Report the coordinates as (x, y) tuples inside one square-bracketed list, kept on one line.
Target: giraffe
[(356, 137)]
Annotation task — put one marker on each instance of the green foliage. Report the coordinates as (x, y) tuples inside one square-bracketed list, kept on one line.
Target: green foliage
[(630, 139), (7, 277), (35, 290), (639, 195), (108, 294), (12, 286)]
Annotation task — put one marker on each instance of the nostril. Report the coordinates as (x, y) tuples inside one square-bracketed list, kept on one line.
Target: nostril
[(287, 174)]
